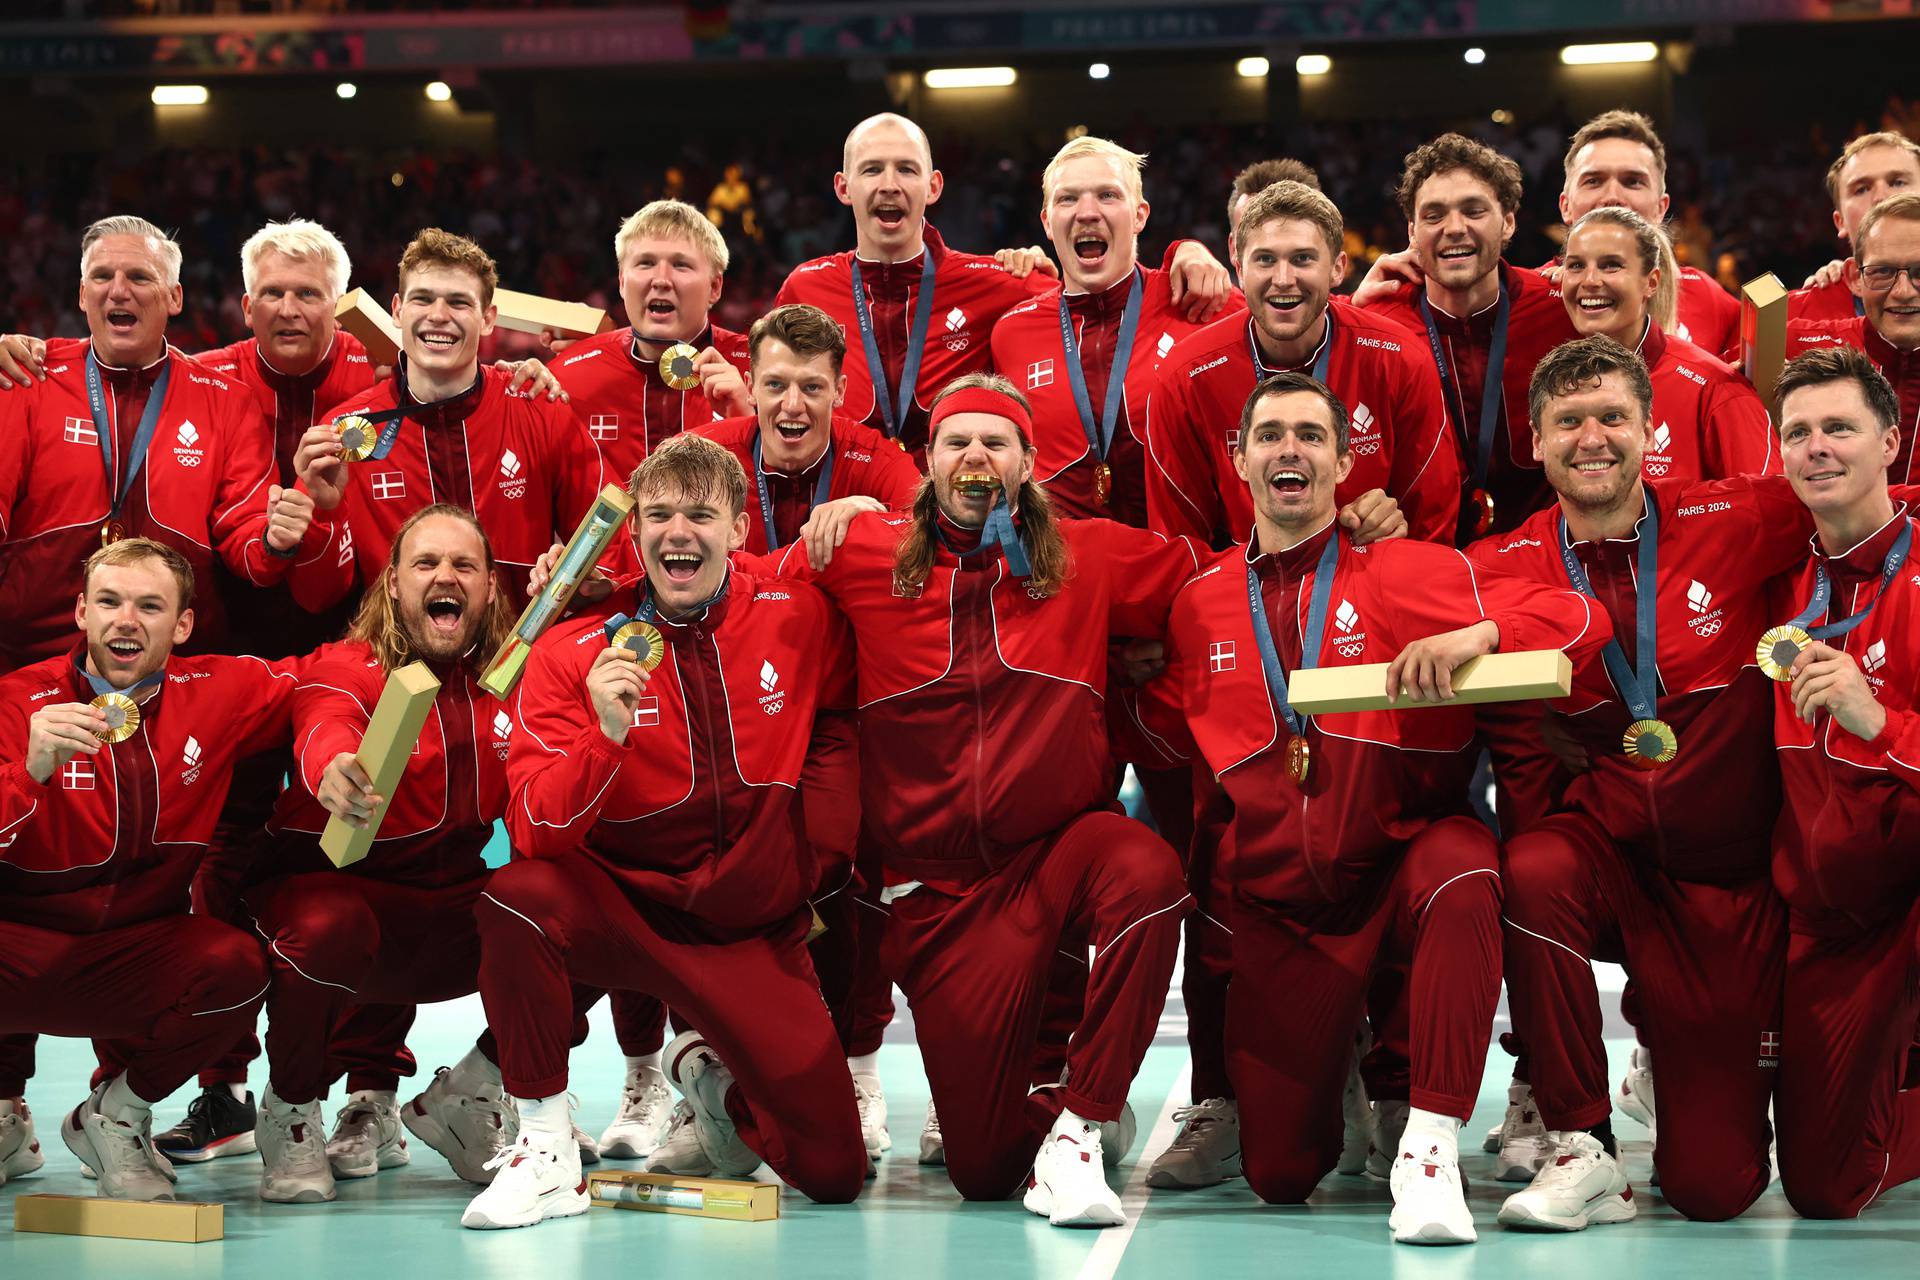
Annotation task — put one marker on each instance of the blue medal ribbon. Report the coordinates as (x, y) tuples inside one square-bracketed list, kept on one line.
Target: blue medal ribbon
[(1490, 391), (142, 434), (649, 609), (1638, 685), (389, 423), (1321, 359), (1823, 591), (998, 531), (895, 403), (1276, 675), (821, 488), (101, 687), (1100, 433)]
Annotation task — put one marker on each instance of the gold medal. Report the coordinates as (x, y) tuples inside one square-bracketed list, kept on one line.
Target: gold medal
[(1777, 649), (1650, 744), (1102, 483), (1299, 757), (676, 367), (123, 716), (1483, 511), (644, 640), (357, 438), (111, 532), (975, 484)]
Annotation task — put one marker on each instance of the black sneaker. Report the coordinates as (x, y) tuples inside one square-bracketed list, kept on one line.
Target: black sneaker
[(217, 1125)]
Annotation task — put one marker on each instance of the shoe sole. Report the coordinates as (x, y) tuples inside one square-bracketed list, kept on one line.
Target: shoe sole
[(1168, 1180), (934, 1159), (240, 1144), (1432, 1233), (23, 1163), (302, 1195), (1524, 1218), (568, 1206), (1038, 1202), (624, 1150), (390, 1160), (1505, 1170)]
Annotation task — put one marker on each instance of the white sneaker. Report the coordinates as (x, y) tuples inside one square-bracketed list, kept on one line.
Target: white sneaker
[(1636, 1091), (1068, 1185), (1491, 1143), (703, 1080), (1116, 1136), (469, 1129), (646, 1109), (933, 1147), (1389, 1122), (680, 1150), (1356, 1116), (1582, 1186), (873, 1115), (537, 1177), (293, 1148), (589, 1147), (1206, 1151), (367, 1136), (1524, 1145), (20, 1152), (121, 1154), (1429, 1201)]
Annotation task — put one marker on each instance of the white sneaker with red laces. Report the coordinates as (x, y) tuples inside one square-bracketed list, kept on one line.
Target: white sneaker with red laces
[(1429, 1200), (1068, 1185), (536, 1178), (1582, 1186)]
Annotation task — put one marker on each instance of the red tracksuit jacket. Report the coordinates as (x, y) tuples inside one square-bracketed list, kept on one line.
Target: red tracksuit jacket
[(1708, 422), (698, 809), (113, 839), (202, 491), (970, 293), (1707, 815), (1828, 302), (269, 623), (454, 788), (865, 464), (626, 406), (1027, 349), (982, 709), (1844, 852), (1376, 777), (518, 461), (1537, 322), (1398, 435), (1902, 369)]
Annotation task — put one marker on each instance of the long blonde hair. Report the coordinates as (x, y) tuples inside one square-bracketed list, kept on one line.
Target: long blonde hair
[(377, 623), (1046, 545), (1656, 250)]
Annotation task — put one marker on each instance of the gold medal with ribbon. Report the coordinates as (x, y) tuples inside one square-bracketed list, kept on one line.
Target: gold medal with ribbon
[(676, 367), (644, 640), (1778, 648), (123, 716)]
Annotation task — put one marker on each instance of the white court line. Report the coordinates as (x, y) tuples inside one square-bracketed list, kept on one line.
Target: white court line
[(1104, 1260)]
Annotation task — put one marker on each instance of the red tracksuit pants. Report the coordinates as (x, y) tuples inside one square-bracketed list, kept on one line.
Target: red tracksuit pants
[(338, 943), (1207, 969), (1706, 962), (164, 996), (977, 968), (546, 924), (1301, 977), (1847, 1130)]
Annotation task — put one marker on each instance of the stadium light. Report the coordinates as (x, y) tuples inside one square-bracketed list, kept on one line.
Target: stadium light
[(346, 89), (970, 77), (179, 95), (438, 91), (1099, 71), (1312, 64), (1476, 55), (1596, 55), (1252, 68)]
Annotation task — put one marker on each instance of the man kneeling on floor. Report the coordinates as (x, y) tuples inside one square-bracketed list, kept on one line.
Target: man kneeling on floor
[(704, 903)]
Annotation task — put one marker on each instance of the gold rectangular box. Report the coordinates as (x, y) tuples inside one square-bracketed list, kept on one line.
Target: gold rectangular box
[(1493, 677), (367, 320), (730, 1199), (181, 1221), (531, 313), (591, 538), (1763, 334), (397, 720)]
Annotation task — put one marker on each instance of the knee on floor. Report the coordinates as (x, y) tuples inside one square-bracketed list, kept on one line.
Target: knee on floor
[(1283, 1177)]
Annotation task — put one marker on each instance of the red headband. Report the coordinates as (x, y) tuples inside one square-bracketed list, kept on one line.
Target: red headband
[(981, 400)]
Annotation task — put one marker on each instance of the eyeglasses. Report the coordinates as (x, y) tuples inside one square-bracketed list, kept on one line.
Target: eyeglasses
[(1881, 277)]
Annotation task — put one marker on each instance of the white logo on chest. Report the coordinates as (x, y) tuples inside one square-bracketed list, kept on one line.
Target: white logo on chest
[(1659, 459), (191, 757), (1707, 621), (1349, 643), (184, 452), (513, 480), (772, 697)]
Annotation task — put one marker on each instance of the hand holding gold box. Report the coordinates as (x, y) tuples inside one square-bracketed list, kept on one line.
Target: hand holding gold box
[(1493, 677), (531, 313), (384, 750), (583, 551)]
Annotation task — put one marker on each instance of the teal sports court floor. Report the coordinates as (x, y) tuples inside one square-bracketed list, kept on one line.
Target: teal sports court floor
[(910, 1223)]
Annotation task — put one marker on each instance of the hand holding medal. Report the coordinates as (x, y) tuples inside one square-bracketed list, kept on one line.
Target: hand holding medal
[(677, 367)]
